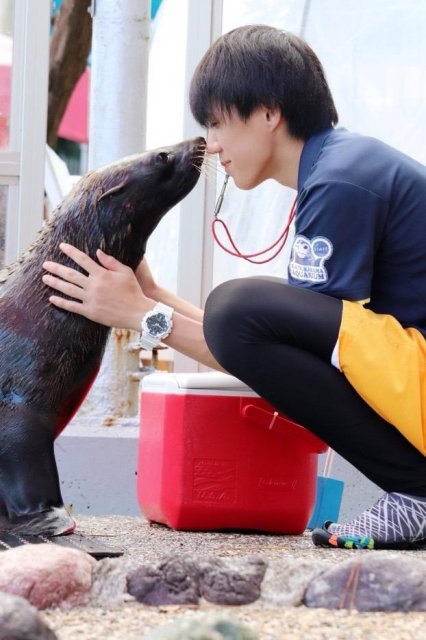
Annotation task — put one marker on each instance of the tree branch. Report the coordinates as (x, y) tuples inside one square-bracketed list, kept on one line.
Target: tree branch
[(69, 48)]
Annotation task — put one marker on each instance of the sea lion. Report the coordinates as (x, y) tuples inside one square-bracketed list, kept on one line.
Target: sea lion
[(49, 358)]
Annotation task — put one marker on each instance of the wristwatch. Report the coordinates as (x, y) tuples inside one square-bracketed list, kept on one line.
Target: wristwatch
[(156, 325)]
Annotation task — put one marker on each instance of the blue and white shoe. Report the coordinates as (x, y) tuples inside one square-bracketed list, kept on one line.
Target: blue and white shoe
[(395, 521)]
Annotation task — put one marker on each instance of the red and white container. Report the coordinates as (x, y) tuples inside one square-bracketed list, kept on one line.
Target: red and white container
[(214, 455)]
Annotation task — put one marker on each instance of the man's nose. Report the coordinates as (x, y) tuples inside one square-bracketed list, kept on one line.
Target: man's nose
[(212, 145)]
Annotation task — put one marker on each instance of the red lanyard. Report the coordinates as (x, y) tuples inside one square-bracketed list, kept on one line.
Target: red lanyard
[(248, 256)]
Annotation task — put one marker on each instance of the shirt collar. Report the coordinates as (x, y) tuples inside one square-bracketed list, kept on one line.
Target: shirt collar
[(310, 153)]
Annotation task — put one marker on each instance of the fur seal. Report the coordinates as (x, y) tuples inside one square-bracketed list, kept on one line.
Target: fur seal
[(49, 358)]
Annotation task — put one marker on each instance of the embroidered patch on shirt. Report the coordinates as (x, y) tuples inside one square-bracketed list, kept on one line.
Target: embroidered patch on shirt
[(308, 257)]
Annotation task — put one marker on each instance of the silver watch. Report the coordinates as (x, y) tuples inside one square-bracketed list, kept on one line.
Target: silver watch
[(156, 325)]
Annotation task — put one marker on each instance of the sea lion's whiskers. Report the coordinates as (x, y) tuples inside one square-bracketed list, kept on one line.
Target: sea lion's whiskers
[(209, 160), (207, 171), (198, 168), (212, 164), (209, 177)]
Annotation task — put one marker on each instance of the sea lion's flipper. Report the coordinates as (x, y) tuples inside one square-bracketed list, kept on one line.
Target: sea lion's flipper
[(53, 522), (30, 494)]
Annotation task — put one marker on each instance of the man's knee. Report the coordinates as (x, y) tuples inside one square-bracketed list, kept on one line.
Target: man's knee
[(226, 309)]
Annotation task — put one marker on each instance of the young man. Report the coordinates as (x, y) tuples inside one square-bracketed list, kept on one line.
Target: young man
[(356, 291)]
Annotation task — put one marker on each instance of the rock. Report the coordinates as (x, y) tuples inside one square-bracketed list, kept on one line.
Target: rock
[(286, 580), (376, 581), (203, 627), (47, 575), (231, 580), (21, 621), (173, 581), (109, 588), (183, 579)]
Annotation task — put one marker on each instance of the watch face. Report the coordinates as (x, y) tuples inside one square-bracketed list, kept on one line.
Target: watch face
[(157, 324)]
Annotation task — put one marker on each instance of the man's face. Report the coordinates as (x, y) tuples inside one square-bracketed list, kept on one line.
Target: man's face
[(245, 147)]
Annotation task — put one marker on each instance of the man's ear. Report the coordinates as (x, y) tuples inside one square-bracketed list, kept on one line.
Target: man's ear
[(273, 118)]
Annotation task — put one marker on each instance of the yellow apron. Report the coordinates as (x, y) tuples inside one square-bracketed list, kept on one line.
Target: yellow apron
[(386, 365)]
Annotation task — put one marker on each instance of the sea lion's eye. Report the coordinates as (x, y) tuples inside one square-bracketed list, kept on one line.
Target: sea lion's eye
[(162, 157)]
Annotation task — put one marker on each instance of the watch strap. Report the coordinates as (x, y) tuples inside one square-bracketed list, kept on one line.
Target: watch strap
[(163, 308), (148, 342)]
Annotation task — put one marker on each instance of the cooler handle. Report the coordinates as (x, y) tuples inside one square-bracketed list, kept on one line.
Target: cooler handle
[(273, 420)]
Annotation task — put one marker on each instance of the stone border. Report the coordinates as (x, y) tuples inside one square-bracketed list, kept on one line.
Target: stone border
[(376, 581), (50, 576)]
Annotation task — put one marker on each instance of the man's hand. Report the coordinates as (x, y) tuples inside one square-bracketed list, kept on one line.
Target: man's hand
[(109, 294)]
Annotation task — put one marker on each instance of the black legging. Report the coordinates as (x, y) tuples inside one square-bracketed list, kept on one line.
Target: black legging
[(278, 339)]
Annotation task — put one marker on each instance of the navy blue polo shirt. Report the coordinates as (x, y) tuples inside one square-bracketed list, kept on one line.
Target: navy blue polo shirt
[(361, 225)]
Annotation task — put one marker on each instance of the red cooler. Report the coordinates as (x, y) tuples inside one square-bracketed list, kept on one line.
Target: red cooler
[(214, 455)]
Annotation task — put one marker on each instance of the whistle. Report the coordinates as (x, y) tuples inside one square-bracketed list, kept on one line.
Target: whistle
[(220, 198)]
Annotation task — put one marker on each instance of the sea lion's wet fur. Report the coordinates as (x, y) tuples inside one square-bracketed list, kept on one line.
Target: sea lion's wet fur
[(49, 358)]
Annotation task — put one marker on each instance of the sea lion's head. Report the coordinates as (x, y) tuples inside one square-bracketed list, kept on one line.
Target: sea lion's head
[(119, 205)]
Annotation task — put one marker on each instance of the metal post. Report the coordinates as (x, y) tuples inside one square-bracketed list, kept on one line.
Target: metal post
[(118, 100), (118, 96)]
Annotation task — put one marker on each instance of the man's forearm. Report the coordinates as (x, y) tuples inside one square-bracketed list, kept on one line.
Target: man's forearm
[(187, 337), (179, 304)]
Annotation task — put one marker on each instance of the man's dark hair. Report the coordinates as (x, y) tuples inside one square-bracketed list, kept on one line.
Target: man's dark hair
[(256, 66)]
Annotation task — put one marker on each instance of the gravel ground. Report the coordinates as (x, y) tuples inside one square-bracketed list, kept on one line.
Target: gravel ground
[(143, 542)]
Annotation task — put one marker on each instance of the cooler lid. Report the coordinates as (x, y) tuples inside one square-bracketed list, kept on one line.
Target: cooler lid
[(211, 381)]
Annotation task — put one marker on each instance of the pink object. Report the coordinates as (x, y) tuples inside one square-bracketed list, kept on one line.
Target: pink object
[(47, 575), (5, 86), (74, 124), (213, 455)]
